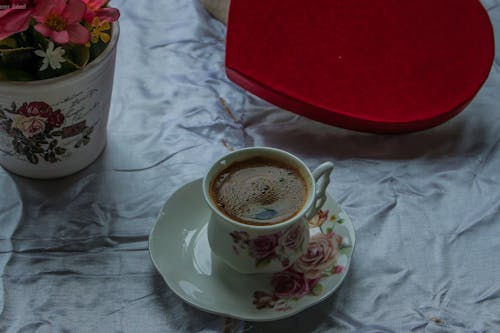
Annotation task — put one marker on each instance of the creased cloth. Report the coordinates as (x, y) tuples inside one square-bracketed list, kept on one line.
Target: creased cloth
[(426, 206)]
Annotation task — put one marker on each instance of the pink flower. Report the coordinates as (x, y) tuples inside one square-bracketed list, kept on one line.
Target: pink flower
[(338, 269), (95, 9), (35, 109), (13, 20), (56, 119), (263, 246), (293, 238), (321, 255), (42, 110), (290, 283), (61, 21)]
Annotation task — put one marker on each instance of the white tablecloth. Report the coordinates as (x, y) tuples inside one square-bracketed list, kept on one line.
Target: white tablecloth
[(426, 206)]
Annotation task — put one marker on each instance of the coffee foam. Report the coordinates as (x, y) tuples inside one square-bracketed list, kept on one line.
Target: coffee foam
[(259, 192)]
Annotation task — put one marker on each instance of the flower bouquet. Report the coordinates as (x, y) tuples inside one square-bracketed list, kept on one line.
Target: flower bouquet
[(57, 62), (41, 39)]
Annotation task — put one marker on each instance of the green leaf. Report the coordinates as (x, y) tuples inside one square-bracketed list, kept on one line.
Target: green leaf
[(38, 150), (97, 48), (87, 131), (317, 289), (70, 66), (66, 67), (329, 230), (53, 144), (60, 150), (32, 157), (73, 62), (17, 146), (86, 140), (40, 40), (8, 43), (57, 133), (21, 58), (263, 262), (16, 52), (340, 221), (52, 157), (10, 74), (345, 250), (79, 55)]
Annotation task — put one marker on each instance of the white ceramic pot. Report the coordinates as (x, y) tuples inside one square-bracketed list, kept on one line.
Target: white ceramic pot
[(55, 127)]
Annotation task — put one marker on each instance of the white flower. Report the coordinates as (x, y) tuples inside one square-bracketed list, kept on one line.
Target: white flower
[(51, 57), (29, 126)]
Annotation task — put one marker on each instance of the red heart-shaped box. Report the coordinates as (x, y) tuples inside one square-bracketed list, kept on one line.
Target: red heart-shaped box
[(384, 66)]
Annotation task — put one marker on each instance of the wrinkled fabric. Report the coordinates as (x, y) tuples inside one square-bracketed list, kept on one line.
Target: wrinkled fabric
[(426, 206)]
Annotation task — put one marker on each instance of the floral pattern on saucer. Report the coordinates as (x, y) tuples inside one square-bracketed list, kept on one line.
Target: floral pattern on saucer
[(266, 248), (180, 251), (304, 276)]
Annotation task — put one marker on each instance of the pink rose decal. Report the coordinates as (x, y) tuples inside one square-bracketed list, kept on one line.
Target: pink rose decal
[(293, 238), (276, 246), (56, 119), (290, 283), (263, 246), (42, 109), (35, 109), (35, 131), (321, 254), (338, 269), (304, 276)]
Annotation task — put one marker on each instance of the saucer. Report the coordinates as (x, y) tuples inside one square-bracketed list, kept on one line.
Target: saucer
[(179, 249)]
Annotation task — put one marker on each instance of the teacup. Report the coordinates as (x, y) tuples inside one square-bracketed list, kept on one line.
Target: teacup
[(270, 248)]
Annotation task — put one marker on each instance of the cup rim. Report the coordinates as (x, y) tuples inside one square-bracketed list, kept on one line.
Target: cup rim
[(299, 215)]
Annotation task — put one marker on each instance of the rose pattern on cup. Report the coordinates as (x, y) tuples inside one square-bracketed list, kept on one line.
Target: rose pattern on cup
[(266, 248), (35, 129), (304, 276)]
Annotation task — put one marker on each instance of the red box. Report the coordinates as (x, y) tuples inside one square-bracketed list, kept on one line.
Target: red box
[(386, 66)]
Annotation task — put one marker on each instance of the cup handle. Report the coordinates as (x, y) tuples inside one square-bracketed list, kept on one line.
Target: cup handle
[(322, 177)]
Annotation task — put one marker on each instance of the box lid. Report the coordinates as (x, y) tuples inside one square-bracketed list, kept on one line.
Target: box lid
[(383, 66)]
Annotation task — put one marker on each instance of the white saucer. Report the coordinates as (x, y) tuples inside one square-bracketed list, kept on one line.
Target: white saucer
[(179, 249)]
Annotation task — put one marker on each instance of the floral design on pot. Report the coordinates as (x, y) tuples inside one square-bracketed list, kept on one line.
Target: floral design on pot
[(35, 129), (304, 276), (266, 248)]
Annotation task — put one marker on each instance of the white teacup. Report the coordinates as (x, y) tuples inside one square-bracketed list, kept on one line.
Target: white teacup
[(264, 248)]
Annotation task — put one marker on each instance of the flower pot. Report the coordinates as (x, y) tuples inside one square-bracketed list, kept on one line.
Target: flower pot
[(55, 127)]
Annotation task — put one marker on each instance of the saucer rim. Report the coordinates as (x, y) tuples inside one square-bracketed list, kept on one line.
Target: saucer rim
[(278, 315)]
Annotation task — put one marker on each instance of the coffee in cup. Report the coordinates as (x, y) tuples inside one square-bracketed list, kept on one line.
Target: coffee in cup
[(259, 191)]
